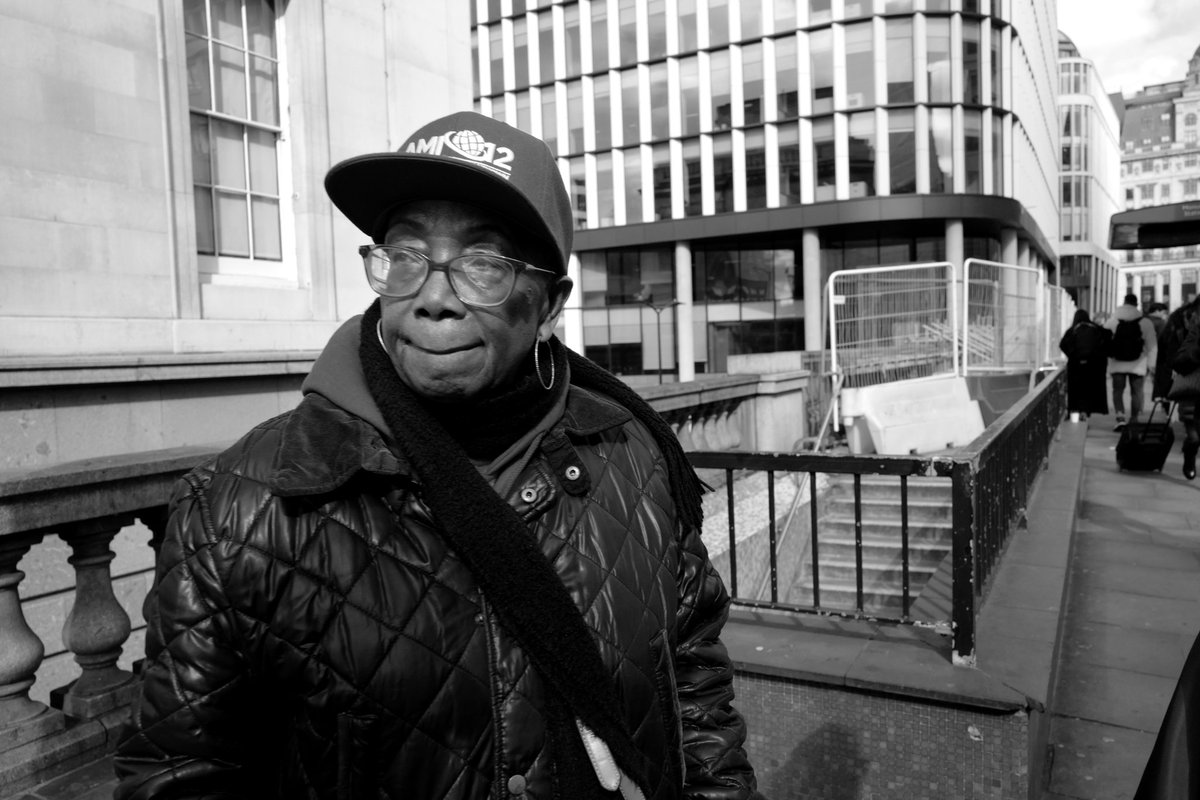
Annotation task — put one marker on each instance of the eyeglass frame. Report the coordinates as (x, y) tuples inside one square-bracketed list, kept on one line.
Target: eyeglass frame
[(432, 266)]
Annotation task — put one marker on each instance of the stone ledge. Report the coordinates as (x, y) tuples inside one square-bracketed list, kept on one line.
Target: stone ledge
[(32, 764), (29, 372)]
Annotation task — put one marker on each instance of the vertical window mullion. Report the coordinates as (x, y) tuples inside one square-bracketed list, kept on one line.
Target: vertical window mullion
[(247, 79)]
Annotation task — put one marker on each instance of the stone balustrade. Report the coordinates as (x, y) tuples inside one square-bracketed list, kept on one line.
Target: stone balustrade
[(86, 503)]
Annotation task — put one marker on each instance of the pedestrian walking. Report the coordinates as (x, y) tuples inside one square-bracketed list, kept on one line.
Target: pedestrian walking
[(1179, 353), (1158, 313), (1085, 344), (1132, 355), (468, 564)]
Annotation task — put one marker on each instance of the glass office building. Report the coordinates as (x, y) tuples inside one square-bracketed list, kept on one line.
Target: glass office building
[(729, 155), (1089, 185)]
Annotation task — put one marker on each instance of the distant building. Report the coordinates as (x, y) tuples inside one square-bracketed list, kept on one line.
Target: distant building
[(1090, 184), (731, 154), (1160, 164)]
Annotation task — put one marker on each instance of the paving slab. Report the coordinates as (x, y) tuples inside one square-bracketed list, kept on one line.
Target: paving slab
[(1117, 647), (1099, 762), (1133, 611)]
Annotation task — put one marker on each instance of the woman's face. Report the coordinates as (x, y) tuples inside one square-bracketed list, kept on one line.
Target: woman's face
[(443, 349)]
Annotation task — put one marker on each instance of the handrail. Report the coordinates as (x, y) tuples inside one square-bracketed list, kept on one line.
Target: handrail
[(802, 482)]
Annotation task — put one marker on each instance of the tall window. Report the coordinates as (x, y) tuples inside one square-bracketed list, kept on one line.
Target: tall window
[(756, 169), (687, 25), (900, 60), (689, 94), (578, 170), (937, 58), (627, 17), (941, 150), (660, 102), (789, 164), (972, 64), (860, 66), (718, 22), (751, 20), (604, 189), (997, 89), (862, 154), (752, 83), (603, 112), (545, 46), (787, 100), (233, 93), (785, 15), (820, 46), (520, 54), (718, 67), (549, 119), (571, 40), (819, 11), (902, 143), (496, 57), (599, 36), (575, 117), (723, 173), (656, 28), (633, 185), (973, 150), (630, 107), (660, 157), (824, 158), (998, 186), (693, 202)]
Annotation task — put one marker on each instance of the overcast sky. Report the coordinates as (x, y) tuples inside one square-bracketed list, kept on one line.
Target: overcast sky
[(1133, 43)]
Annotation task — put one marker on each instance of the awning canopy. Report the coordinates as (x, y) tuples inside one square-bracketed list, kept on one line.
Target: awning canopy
[(1173, 225)]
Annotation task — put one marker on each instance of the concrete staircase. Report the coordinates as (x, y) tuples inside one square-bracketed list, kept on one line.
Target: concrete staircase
[(929, 536)]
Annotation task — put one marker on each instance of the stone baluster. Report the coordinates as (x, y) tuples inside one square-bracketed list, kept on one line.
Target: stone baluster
[(731, 422), (156, 520), (96, 626), (21, 651)]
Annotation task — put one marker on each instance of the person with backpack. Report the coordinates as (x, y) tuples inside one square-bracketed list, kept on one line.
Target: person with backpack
[(1086, 345), (1131, 355), (1179, 351)]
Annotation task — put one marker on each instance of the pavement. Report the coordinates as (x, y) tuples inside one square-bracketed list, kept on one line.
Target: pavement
[(1132, 613)]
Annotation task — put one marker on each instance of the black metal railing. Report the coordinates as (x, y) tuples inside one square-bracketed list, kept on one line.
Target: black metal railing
[(989, 484)]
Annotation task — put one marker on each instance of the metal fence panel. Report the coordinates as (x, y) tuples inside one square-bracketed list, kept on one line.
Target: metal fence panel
[(1002, 317), (891, 323)]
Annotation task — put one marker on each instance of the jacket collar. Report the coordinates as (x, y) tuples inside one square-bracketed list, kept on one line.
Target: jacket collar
[(323, 446)]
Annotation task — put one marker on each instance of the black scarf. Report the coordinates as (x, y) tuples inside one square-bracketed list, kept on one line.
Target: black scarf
[(495, 543)]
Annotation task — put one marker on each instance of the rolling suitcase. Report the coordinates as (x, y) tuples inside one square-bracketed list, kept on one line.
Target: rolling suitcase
[(1144, 446)]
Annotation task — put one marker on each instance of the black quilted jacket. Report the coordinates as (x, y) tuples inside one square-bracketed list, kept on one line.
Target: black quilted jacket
[(311, 636)]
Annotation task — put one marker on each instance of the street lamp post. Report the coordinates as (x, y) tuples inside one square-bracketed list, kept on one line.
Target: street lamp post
[(658, 308)]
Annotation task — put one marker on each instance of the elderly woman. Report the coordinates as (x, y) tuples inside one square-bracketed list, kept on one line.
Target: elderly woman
[(468, 564), (1085, 344)]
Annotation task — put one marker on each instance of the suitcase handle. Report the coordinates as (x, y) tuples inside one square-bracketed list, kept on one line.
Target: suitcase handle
[(1170, 409)]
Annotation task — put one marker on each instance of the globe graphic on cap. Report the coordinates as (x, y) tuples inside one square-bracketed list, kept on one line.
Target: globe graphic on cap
[(469, 142)]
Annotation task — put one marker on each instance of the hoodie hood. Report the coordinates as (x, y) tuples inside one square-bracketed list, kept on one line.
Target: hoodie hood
[(1125, 313)]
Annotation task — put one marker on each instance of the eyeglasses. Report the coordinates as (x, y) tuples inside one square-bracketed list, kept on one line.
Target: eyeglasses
[(478, 279)]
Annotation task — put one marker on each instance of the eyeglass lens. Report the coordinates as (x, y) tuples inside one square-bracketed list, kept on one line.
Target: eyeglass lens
[(477, 279)]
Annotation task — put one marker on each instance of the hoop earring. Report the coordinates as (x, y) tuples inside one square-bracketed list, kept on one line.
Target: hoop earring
[(379, 335), (537, 366)]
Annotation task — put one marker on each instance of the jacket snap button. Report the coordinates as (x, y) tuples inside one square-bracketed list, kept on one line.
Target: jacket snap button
[(479, 619), (573, 473), (528, 495), (516, 784)]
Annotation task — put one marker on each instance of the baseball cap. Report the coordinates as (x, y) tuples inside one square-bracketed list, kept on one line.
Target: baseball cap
[(465, 157)]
